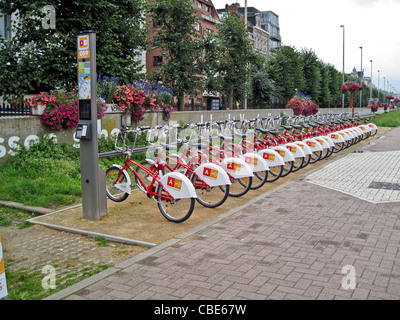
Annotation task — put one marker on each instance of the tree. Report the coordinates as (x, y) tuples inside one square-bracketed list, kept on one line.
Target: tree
[(335, 83), (312, 75), (39, 58), (180, 50), (235, 58), (263, 89), (285, 69), (325, 94)]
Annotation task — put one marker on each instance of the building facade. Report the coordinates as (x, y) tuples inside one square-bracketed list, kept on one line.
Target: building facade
[(207, 20), (270, 23)]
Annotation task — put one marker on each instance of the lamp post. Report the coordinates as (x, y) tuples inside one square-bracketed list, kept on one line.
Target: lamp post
[(362, 77), (370, 98), (342, 26), (384, 82), (379, 75)]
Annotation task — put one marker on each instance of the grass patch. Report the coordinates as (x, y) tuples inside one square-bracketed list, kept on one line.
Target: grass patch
[(389, 119), (48, 174), (10, 216), (24, 285)]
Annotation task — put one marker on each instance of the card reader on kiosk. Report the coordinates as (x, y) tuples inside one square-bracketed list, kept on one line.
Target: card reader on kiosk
[(84, 131)]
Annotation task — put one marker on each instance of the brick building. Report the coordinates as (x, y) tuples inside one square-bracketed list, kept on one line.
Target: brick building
[(207, 20)]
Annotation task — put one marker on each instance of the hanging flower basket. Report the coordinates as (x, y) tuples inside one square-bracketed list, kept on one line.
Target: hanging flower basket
[(373, 106), (302, 105), (351, 87)]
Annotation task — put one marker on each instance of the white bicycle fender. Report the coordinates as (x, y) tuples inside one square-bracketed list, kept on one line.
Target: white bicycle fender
[(306, 149), (322, 142), (313, 144), (255, 161), (272, 157), (178, 185), (336, 137), (236, 167), (286, 154), (212, 174), (126, 186), (372, 126)]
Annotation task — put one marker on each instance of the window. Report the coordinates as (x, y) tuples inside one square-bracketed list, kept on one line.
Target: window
[(5, 26), (156, 23), (197, 26), (157, 60), (199, 5)]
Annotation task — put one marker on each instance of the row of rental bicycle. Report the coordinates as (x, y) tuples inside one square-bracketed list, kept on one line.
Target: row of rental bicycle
[(209, 162)]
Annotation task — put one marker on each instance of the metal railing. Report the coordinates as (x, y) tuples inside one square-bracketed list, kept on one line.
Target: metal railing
[(7, 110)]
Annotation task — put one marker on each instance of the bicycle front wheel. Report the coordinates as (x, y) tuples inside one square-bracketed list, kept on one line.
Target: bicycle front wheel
[(114, 184), (177, 210)]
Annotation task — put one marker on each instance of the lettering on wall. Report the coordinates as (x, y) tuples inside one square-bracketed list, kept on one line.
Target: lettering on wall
[(8, 146)]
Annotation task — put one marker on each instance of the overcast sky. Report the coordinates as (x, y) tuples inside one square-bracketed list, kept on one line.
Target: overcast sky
[(315, 24)]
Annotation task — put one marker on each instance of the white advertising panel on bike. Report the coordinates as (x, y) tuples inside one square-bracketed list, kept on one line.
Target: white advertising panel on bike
[(313, 144), (284, 153), (322, 142), (350, 133), (345, 135), (255, 161), (295, 150), (372, 126), (272, 157), (178, 185), (336, 137), (213, 175), (237, 168), (306, 149), (365, 128), (328, 140)]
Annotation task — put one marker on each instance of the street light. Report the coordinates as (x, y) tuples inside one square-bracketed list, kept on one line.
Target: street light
[(342, 26), (362, 77), (370, 98), (384, 81), (379, 74)]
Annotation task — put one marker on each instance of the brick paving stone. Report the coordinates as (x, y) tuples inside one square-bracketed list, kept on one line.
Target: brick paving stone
[(291, 244)]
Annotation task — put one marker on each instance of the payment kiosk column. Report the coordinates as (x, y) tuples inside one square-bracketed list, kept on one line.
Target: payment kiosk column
[(94, 197)]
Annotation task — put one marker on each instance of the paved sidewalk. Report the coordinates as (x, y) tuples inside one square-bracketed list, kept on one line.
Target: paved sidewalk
[(299, 241)]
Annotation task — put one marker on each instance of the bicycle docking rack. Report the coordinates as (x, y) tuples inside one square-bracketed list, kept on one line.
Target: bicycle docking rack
[(118, 153)]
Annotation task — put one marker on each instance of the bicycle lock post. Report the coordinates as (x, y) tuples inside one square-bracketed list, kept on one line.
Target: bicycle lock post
[(93, 179)]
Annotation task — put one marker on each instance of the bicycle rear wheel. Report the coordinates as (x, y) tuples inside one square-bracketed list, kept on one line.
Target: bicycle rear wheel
[(210, 197), (287, 168), (239, 187), (274, 173), (338, 146), (177, 210), (113, 184), (298, 164), (260, 178), (315, 156)]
